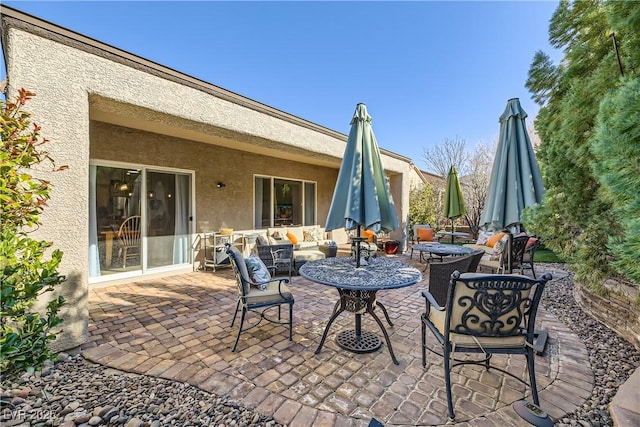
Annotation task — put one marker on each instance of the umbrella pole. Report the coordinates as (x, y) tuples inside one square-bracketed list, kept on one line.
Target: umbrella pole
[(452, 230), (359, 234), (358, 326)]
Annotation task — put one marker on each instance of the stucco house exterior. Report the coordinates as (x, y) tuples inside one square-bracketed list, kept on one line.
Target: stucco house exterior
[(185, 156)]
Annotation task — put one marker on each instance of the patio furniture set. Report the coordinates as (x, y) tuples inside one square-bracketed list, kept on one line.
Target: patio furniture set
[(465, 311)]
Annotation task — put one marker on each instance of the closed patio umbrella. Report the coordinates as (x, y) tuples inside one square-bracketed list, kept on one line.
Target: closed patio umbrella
[(454, 206), (362, 197), (516, 182)]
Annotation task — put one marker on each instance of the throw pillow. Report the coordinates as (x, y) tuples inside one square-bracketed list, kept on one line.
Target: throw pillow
[(258, 272), (532, 241), (292, 238), (483, 237), (262, 240), (315, 234), (276, 235), (498, 248), (272, 241), (494, 239), (307, 236), (425, 234), (369, 234)]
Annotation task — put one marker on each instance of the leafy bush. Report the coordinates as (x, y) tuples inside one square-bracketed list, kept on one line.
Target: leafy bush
[(422, 206), (25, 273)]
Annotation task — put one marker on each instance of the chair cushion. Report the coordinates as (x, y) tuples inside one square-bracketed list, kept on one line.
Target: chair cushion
[(307, 255), (258, 272), (437, 318), (271, 293)]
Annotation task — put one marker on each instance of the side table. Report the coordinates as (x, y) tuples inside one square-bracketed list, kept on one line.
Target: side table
[(329, 251)]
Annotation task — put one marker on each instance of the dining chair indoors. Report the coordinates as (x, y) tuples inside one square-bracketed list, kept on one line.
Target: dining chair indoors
[(129, 238), (251, 298), (485, 314)]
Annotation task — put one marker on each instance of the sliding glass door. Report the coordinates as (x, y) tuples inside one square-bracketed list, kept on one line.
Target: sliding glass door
[(139, 219)]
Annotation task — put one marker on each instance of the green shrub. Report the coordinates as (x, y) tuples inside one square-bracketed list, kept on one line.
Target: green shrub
[(25, 273), (422, 206)]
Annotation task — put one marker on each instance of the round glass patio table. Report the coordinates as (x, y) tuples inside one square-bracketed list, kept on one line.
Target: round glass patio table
[(357, 288), (440, 250)]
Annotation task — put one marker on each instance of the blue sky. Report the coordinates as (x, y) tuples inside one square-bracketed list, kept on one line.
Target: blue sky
[(426, 70)]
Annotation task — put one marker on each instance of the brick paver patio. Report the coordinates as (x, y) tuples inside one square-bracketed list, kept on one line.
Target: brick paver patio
[(178, 328)]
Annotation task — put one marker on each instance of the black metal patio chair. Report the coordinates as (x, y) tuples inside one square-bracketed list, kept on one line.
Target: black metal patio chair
[(488, 314), (511, 257), (251, 298), (527, 257), (440, 273)]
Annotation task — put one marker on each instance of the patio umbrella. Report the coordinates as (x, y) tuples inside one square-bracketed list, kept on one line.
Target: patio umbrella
[(453, 201), (515, 181), (362, 198)]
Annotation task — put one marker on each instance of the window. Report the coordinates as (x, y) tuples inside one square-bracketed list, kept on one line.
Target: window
[(280, 201)]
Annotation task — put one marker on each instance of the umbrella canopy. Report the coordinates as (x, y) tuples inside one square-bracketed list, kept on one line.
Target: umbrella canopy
[(453, 201), (515, 181), (362, 198)]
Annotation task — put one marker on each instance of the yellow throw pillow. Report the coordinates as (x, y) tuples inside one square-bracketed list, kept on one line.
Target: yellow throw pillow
[(425, 234), (292, 238), (494, 239)]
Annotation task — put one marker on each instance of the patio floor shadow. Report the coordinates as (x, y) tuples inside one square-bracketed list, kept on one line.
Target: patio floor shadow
[(178, 328)]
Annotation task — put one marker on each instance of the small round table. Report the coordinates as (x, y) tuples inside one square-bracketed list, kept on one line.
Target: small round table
[(441, 250), (357, 288)]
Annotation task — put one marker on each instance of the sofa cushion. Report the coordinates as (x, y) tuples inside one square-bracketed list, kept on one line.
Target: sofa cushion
[(476, 247)]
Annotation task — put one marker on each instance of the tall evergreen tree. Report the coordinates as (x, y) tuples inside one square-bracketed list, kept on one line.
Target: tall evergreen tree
[(576, 217)]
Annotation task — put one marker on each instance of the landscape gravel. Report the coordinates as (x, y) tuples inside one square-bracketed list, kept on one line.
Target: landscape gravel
[(73, 392)]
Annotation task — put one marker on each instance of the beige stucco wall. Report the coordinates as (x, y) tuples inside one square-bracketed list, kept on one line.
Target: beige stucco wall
[(86, 99), (228, 207)]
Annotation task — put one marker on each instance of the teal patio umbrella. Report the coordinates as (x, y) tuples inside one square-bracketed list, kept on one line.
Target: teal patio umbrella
[(516, 182), (454, 206), (362, 197)]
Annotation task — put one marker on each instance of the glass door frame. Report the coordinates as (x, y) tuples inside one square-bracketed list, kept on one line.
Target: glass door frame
[(144, 168)]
